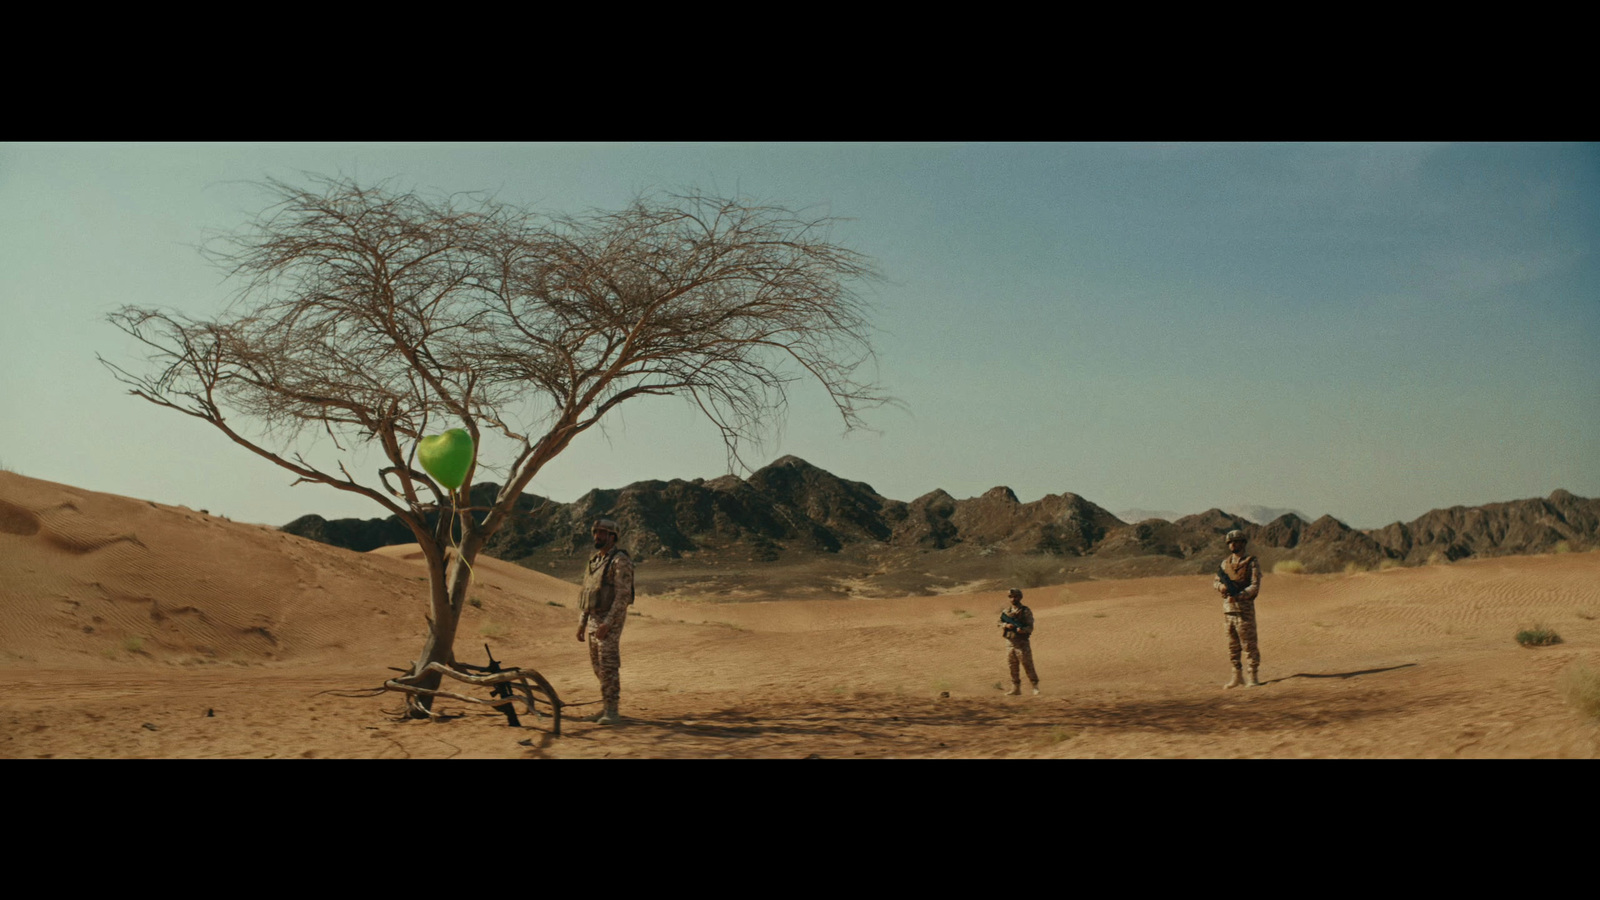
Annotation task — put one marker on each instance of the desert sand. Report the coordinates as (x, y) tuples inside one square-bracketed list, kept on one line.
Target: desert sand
[(129, 628)]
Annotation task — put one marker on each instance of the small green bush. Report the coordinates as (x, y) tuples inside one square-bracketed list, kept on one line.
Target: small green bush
[(133, 643), (1537, 636), (1288, 567), (475, 603), (961, 613)]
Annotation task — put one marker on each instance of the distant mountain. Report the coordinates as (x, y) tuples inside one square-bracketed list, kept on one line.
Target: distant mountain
[(1139, 515), (1261, 515), (792, 507), (1257, 514)]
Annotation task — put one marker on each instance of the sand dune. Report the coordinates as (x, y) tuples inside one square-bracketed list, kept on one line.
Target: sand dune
[(123, 622)]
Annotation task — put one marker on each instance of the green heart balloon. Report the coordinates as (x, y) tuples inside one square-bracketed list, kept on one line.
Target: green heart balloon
[(446, 456)]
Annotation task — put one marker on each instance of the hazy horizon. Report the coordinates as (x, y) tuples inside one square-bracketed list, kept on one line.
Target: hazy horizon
[(1370, 331)]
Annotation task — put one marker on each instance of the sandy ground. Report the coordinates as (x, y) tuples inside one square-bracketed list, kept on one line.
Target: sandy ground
[(134, 629)]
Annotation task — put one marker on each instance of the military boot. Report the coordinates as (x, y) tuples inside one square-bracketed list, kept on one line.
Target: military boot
[(610, 716), (1016, 689), (1250, 679), (1238, 678), (1036, 688)]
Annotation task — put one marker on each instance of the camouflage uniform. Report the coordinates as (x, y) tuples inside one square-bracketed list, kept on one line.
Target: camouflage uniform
[(1239, 611), (1019, 654), (605, 597)]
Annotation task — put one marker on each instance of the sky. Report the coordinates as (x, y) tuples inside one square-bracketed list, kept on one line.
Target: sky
[(1365, 330)]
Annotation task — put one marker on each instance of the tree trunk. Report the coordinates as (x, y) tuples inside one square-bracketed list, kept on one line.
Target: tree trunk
[(448, 594)]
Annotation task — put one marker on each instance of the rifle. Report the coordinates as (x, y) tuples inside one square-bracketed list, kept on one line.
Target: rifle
[(503, 689), (1011, 624), (1234, 588)]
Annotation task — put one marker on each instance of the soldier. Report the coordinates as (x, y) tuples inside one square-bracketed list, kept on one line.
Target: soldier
[(1239, 581), (605, 597), (1016, 626)]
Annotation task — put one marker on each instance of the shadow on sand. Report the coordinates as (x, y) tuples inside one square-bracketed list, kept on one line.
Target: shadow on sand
[(1340, 674), (890, 725)]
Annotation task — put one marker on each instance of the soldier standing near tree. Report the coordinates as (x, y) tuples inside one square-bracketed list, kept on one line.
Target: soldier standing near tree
[(604, 599), (1239, 581), (1016, 626)]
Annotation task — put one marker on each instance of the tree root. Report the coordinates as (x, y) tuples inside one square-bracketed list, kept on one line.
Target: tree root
[(527, 686)]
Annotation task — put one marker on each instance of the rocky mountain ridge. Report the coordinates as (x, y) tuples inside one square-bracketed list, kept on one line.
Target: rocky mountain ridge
[(792, 509)]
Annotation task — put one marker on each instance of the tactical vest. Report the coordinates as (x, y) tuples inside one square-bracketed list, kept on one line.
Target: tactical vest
[(1232, 605), (1010, 624), (1238, 579), (598, 591)]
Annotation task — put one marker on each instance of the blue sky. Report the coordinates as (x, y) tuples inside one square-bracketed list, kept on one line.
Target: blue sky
[(1367, 330)]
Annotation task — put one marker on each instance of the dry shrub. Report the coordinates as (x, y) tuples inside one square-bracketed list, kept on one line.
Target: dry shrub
[(1385, 565), (1352, 567), (1563, 547), (1581, 685), (1031, 571), (1288, 567), (1538, 636), (1057, 734)]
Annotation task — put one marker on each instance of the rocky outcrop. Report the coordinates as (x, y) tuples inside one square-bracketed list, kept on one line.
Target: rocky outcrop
[(1495, 529), (359, 535), (927, 524), (792, 506)]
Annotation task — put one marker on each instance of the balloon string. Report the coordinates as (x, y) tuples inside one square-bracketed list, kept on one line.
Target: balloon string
[(455, 516)]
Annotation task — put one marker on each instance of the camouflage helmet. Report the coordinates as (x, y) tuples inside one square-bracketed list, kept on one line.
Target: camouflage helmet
[(1236, 535), (1015, 592), (608, 525)]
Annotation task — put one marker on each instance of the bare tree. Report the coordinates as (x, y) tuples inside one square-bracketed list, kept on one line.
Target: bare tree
[(377, 315)]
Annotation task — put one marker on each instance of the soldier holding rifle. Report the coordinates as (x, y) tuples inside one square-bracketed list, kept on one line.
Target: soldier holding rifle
[(603, 601), (1016, 626), (1239, 581)]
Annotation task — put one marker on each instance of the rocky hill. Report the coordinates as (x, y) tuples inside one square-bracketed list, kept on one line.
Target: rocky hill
[(792, 510)]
